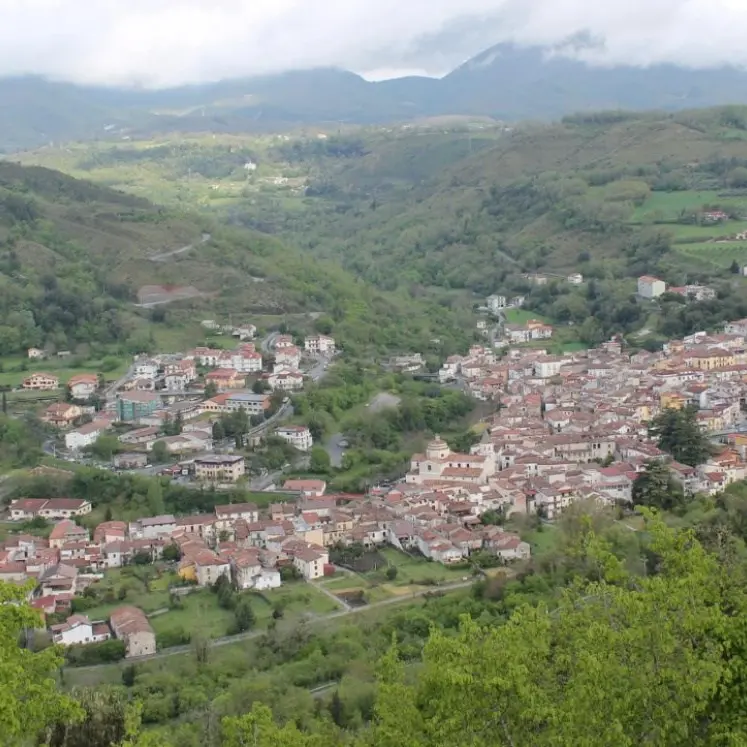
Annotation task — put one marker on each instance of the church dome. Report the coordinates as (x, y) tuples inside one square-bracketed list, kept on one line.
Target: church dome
[(437, 449)]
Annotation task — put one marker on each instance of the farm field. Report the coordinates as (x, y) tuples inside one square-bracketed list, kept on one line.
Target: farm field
[(718, 254), (666, 206), (690, 232), (522, 316)]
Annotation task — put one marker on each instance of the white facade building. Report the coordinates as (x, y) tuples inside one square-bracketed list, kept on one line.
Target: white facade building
[(298, 436), (319, 345), (651, 287)]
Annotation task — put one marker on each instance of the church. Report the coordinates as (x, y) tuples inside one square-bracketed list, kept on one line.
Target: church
[(441, 465)]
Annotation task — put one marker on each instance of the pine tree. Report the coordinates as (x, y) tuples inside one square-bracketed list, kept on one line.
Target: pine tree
[(677, 433), (653, 487)]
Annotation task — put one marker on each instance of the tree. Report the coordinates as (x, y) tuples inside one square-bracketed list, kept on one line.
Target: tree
[(734, 268), (391, 572), (143, 557), (654, 488), (258, 729), (493, 517), (320, 462), (105, 723), (678, 433), (30, 701), (159, 453), (462, 442), (260, 386), (105, 447), (244, 615), (211, 389), (219, 432), (172, 552), (155, 498), (622, 660)]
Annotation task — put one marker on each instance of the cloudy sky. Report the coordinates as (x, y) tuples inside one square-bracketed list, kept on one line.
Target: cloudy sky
[(166, 42)]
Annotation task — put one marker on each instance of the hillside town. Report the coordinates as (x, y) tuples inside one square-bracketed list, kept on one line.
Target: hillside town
[(192, 389), (568, 428)]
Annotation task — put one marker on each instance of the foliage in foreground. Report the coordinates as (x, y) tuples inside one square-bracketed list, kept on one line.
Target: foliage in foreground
[(623, 659)]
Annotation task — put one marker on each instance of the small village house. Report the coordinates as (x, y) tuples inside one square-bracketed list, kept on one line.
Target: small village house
[(41, 382), (82, 386), (319, 345), (220, 468), (298, 436), (131, 626)]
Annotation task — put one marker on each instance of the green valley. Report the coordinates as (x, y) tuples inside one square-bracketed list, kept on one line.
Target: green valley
[(454, 211), (91, 271)]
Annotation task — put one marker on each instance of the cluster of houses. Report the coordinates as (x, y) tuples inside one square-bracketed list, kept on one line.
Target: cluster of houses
[(575, 426), (161, 389), (650, 287), (249, 546)]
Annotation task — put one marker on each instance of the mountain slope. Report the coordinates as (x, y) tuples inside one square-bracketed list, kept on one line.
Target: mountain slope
[(74, 257), (505, 82)]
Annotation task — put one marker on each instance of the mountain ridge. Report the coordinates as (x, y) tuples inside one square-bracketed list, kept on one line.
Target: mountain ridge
[(504, 82)]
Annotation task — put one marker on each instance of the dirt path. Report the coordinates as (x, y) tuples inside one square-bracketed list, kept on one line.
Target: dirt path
[(227, 640), (164, 256)]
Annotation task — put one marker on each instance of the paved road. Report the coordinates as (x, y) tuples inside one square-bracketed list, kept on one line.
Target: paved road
[(110, 389), (268, 344), (164, 256), (321, 619), (333, 448)]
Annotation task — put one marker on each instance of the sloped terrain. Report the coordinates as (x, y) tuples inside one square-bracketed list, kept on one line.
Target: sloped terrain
[(73, 256)]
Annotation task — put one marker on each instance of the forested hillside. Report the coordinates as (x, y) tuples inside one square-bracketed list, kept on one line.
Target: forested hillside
[(458, 211), (78, 262)]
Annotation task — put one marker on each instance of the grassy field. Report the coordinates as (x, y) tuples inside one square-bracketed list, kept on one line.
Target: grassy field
[(542, 540), (199, 613), (11, 374), (416, 569), (522, 316), (665, 206), (226, 656), (687, 231), (718, 254)]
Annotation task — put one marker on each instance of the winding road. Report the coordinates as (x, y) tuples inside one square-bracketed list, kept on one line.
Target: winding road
[(165, 256)]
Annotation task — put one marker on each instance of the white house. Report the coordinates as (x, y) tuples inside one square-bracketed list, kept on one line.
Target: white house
[(298, 436), (78, 629), (287, 381), (310, 562), (86, 435), (319, 345), (650, 287), (153, 527), (575, 278), (83, 386), (36, 354), (210, 567), (144, 368), (288, 356), (232, 511), (245, 332), (496, 303)]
